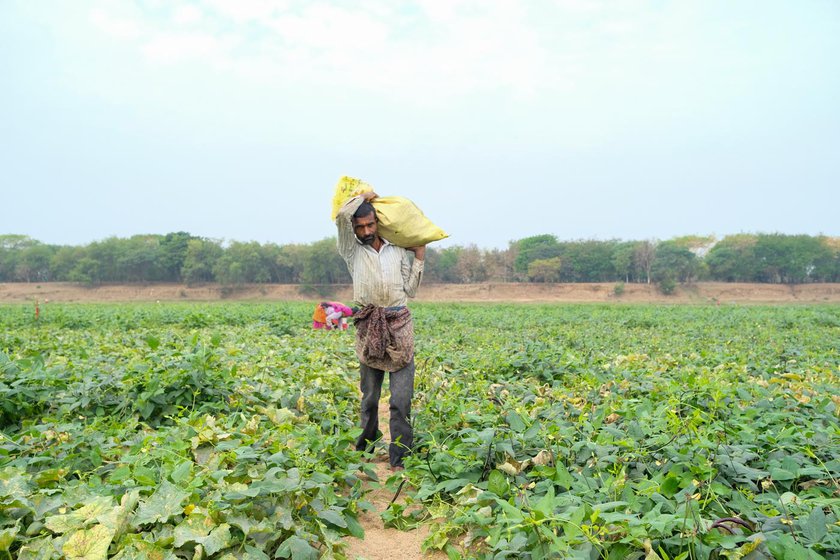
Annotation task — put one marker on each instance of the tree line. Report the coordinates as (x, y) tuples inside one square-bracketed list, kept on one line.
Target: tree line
[(182, 257)]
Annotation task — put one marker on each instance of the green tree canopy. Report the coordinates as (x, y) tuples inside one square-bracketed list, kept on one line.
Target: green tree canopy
[(180, 256), (675, 262), (534, 248), (789, 259), (733, 259), (200, 261), (545, 270)]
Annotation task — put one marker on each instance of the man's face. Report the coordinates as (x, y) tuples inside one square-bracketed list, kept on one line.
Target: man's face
[(365, 228)]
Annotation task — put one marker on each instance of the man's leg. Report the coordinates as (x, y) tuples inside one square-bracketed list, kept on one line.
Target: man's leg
[(402, 435), (371, 385)]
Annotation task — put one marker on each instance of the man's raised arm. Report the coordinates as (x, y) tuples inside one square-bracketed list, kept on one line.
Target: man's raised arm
[(344, 223), (413, 274)]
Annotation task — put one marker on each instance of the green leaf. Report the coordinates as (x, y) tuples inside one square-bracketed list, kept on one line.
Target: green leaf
[(515, 421), (252, 553), (246, 524), (786, 547), (89, 544), (452, 553), (193, 528), (85, 515), (781, 474), (145, 475), (619, 552), (608, 506), (296, 548), (138, 550), (48, 477), (562, 476), (163, 504), (518, 542), (815, 526), (218, 539), (670, 485), (753, 549), (7, 537), (61, 524), (355, 528), (749, 473), (181, 472), (572, 527), (333, 517), (202, 530), (546, 504), (120, 474), (498, 484), (153, 342), (13, 484), (38, 549), (117, 518), (513, 513)]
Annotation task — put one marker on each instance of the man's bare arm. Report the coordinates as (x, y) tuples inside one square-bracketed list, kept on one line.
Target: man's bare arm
[(344, 222), (419, 252)]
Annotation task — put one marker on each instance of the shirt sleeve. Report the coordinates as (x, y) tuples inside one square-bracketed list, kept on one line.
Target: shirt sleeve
[(344, 223), (412, 274)]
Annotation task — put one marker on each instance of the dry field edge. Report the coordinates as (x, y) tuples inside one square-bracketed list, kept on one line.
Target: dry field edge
[(698, 293)]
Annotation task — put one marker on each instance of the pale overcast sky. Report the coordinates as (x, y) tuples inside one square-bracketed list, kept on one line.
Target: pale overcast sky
[(233, 119)]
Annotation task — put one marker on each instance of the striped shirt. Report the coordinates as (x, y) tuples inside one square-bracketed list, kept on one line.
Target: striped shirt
[(385, 278)]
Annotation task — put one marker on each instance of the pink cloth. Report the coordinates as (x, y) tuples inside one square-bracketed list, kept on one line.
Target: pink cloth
[(346, 311)]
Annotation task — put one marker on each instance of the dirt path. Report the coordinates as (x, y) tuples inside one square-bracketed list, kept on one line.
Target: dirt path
[(381, 543)]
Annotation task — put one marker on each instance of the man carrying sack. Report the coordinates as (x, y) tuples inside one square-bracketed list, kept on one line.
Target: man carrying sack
[(383, 279)]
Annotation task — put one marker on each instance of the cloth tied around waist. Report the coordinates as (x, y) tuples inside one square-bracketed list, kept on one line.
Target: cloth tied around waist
[(384, 337)]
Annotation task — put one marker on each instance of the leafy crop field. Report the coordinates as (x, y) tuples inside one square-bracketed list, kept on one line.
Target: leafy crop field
[(543, 431)]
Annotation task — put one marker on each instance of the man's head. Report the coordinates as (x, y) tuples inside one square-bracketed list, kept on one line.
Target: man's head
[(364, 223)]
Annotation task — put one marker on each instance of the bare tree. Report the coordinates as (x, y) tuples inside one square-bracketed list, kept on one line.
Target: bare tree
[(499, 265), (470, 266), (643, 257)]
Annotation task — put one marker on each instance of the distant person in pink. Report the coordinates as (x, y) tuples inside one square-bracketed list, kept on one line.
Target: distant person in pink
[(337, 314)]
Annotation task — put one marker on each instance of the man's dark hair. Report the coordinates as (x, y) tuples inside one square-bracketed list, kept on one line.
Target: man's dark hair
[(365, 209)]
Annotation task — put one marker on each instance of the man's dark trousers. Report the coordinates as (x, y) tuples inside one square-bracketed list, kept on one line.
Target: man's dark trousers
[(402, 391)]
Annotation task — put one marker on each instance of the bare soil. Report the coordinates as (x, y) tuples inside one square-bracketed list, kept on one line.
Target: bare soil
[(381, 543), (702, 292)]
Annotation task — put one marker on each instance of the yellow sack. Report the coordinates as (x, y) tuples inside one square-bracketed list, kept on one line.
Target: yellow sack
[(403, 224), (400, 221), (347, 188)]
